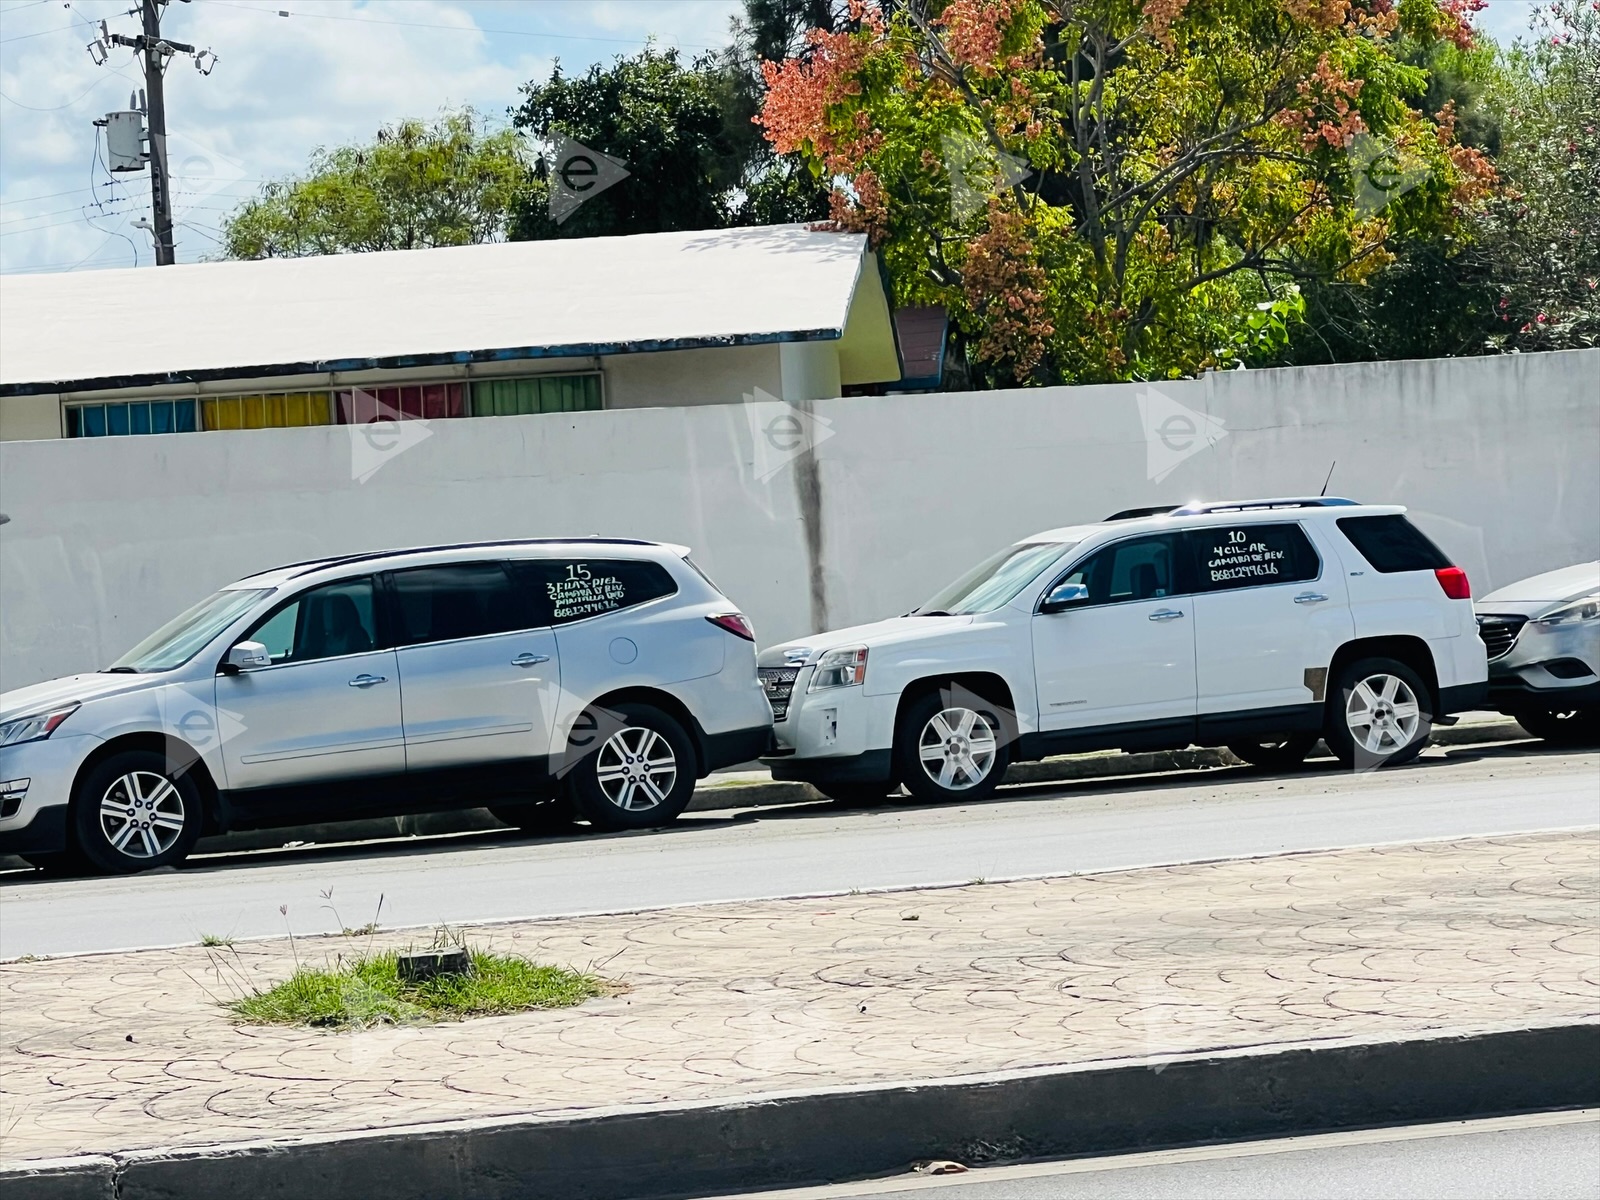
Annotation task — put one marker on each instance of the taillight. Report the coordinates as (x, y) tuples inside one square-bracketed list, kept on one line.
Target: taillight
[(1454, 582), (735, 623)]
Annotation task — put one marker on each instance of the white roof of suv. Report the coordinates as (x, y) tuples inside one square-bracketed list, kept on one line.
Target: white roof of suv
[(1138, 520), (453, 552)]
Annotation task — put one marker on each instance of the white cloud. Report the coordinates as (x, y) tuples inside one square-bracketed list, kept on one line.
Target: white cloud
[(330, 73)]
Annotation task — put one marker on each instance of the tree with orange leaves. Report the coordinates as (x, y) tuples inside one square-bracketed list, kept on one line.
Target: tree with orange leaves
[(1115, 189)]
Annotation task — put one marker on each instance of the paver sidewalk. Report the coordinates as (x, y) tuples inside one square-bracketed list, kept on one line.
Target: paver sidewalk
[(123, 1051)]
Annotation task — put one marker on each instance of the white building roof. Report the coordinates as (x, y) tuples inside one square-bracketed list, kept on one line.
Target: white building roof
[(409, 308)]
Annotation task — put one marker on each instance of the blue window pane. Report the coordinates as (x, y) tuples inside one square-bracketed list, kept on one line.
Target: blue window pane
[(116, 419), (94, 420), (183, 416), (161, 416), (138, 418)]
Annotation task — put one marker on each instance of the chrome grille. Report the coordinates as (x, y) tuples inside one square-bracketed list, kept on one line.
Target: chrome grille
[(778, 683), (1499, 634)]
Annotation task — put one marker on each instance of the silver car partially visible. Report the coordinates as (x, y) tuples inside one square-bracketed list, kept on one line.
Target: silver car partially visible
[(1543, 638)]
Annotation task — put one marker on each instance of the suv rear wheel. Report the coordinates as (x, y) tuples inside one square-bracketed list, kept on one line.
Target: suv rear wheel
[(640, 775), (1378, 714), (951, 747), (131, 813)]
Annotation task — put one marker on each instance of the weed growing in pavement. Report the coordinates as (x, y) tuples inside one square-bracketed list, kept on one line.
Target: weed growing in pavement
[(368, 991), (215, 939)]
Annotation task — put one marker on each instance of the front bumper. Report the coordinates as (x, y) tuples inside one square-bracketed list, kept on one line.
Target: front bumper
[(1547, 664), (39, 820)]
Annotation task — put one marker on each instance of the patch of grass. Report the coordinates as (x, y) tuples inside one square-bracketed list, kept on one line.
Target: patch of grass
[(367, 991), (215, 939)]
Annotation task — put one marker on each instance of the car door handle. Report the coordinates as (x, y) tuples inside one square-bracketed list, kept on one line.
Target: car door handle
[(366, 681), (1310, 598), (1166, 614), (529, 660)]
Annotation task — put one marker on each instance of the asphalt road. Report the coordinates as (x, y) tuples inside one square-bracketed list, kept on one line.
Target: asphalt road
[(798, 850), (1554, 1156)]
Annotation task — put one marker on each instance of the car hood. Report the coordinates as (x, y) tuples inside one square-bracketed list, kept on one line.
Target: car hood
[(1532, 596), (52, 693), (877, 634)]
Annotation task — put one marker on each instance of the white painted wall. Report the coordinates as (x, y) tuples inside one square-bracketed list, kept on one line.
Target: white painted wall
[(1500, 459)]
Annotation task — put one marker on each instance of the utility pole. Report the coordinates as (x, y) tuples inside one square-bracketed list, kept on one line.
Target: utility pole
[(157, 51)]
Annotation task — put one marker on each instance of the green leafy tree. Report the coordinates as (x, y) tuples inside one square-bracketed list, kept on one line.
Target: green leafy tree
[(686, 132), (1107, 189), (446, 183), (1545, 228)]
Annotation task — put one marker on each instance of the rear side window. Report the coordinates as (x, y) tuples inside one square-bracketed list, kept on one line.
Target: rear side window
[(462, 600), (563, 590), (1392, 543), (1241, 556)]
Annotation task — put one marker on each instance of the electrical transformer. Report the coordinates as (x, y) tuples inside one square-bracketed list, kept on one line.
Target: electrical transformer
[(125, 150)]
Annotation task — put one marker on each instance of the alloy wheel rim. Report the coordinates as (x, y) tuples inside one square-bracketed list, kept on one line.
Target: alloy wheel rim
[(957, 748), (636, 769), (142, 814), (1382, 714)]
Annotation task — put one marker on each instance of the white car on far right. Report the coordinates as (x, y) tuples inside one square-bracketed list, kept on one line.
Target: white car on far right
[(1543, 638)]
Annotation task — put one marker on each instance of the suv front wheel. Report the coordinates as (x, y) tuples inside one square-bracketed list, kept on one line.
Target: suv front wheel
[(132, 813), (1378, 714), (640, 771), (951, 747)]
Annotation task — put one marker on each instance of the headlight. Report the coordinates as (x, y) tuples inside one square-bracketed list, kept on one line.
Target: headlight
[(1585, 609), (32, 729), (840, 668)]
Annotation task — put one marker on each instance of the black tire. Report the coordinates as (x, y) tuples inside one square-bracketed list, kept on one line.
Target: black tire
[(856, 794), (544, 817), (634, 724), (916, 730), (1562, 726), (134, 798), (1399, 741), (1280, 754)]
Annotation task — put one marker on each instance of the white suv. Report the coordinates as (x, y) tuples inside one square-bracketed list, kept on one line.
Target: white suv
[(1260, 626), (601, 675)]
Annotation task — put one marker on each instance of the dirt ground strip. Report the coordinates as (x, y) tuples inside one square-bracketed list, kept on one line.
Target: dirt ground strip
[(123, 1051)]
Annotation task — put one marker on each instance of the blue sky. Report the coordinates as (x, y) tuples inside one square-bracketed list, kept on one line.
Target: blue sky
[(330, 72)]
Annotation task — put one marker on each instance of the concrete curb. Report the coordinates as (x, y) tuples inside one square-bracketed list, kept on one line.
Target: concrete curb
[(852, 1133), (711, 796)]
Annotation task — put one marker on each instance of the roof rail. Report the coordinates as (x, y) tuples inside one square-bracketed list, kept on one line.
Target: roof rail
[(1133, 514), (317, 564), (1189, 510)]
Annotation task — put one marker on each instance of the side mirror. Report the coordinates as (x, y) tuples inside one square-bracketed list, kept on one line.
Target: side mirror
[(245, 656), (1064, 596)]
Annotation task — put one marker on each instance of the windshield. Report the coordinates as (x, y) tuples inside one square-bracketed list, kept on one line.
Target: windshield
[(995, 581), (181, 638)]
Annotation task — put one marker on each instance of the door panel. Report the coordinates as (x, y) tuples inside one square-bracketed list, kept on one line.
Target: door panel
[(477, 685), (301, 722), (479, 701), (1127, 654), (1271, 606)]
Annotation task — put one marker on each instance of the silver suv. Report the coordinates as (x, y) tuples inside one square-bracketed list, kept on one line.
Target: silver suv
[(547, 679)]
